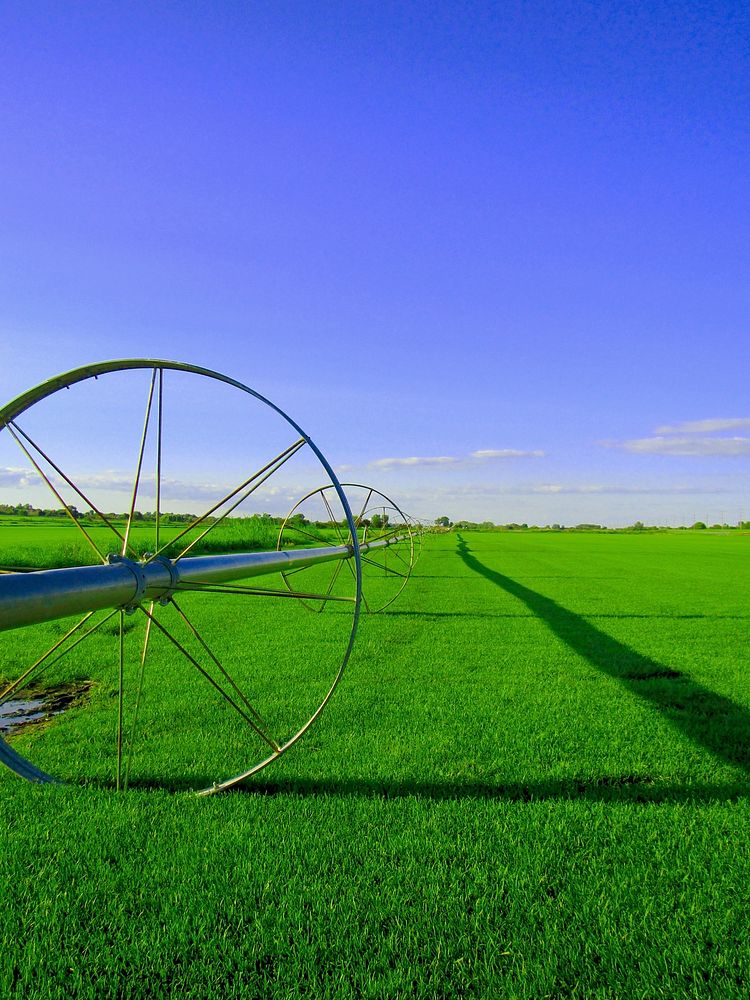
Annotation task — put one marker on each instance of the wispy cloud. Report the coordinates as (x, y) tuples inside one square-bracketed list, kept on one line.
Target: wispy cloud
[(185, 491), (595, 489), (480, 455), (571, 501), (705, 426), (10, 476), (694, 438), (688, 445), (412, 461), (171, 489), (506, 453)]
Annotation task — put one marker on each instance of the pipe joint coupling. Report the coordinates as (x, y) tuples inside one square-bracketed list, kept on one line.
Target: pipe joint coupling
[(140, 580), (174, 576)]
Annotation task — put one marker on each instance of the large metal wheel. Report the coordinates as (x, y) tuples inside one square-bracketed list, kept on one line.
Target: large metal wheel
[(214, 683), (386, 567)]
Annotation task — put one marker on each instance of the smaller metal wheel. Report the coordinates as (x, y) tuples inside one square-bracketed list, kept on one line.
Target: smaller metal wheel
[(386, 541)]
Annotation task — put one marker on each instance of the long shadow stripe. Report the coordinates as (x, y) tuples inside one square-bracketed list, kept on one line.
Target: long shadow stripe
[(708, 719)]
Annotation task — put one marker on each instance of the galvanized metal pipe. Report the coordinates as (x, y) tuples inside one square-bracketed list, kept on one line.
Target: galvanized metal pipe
[(31, 598)]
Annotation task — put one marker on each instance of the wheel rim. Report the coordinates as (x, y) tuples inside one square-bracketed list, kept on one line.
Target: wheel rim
[(184, 631)]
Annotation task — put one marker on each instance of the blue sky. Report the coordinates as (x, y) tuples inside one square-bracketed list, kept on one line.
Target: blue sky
[(492, 257)]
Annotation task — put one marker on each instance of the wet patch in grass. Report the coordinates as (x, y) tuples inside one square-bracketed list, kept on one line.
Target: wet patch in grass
[(40, 706)]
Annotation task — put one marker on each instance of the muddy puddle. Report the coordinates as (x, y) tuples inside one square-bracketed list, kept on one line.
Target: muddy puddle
[(40, 706)]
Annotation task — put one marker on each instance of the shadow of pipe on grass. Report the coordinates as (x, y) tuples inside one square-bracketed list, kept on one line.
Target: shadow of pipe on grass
[(628, 788), (712, 721), (634, 789), (530, 614)]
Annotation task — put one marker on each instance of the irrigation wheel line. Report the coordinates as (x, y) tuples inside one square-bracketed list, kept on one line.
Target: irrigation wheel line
[(135, 397), (388, 553)]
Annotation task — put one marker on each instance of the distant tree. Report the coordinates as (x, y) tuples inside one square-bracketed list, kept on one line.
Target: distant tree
[(443, 522), (699, 526)]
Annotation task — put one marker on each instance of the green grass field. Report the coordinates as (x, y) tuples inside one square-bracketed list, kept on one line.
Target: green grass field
[(48, 542), (532, 782)]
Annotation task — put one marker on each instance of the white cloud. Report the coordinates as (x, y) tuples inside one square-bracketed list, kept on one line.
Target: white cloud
[(595, 489), (171, 489), (390, 463), (10, 476), (572, 502), (694, 438), (506, 453), (415, 461), (702, 446), (497, 493), (97, 486), (705, 426)]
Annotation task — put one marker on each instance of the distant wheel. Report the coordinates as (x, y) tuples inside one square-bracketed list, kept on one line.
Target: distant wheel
[(220, 681), (379, 522), (417, 531)]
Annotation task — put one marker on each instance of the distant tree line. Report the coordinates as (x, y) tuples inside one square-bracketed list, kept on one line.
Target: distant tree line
[(376, 521), (27, 510), (444, 523)]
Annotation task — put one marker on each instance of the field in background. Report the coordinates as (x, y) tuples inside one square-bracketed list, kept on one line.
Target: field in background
[(532, 781), (56, 541)]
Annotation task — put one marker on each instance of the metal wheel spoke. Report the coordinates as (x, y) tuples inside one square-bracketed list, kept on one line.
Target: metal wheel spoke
[(361, 514), (336, 525), (120, 674), (159, 410), (92, 506), (273, 466), (354, 577), (234, 506), (395, 552), (139, 466), (382, 566), (48, 481), (290, 572), (223, 588), (251, 708), (139, 692), (334, 577), (175, 642), (392, 533), (315, 538), (25, 678)]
